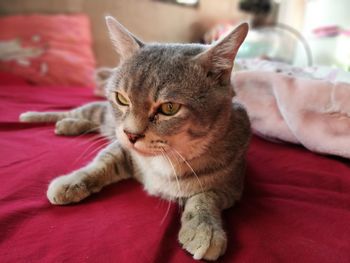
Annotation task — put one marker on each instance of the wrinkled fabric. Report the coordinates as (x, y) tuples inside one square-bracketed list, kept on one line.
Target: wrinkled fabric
[(295, 207), (311, 112)]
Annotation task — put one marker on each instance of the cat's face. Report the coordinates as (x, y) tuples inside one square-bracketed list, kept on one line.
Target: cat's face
[(163, 95), (168, 98)]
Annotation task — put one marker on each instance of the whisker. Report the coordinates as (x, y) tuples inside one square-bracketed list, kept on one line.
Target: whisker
[(177, 180), (186, 162), (169, 204), (94, 143), (87, 131), (88, 142), (177, 160), (89, 139), (51, 127), (90, 130), (166, 213), (180, 167), (99, 148)]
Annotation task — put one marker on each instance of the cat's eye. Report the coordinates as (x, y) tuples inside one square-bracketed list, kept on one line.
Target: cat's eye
[(121, 100), (169, 108)]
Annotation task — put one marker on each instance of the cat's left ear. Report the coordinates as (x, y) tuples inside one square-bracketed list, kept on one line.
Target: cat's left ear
[(219, 58), (125, 43)]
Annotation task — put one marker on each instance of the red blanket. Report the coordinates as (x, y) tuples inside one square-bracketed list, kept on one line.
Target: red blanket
[(295, 208)]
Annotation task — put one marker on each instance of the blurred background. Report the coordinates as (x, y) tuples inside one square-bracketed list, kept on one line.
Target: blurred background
[(298, 32)]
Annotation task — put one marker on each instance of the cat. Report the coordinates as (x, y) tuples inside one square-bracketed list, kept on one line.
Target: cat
[(173, 127)]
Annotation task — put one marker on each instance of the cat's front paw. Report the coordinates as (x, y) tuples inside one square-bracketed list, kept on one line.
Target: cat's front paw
[(67, 127), (202, 237), (67, 189)]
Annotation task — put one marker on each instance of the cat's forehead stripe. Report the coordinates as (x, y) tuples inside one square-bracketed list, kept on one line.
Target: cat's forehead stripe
[(125, 84), (156, 93)]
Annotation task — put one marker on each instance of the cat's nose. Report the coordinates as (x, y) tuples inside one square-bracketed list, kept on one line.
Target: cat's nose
[(133, 137)]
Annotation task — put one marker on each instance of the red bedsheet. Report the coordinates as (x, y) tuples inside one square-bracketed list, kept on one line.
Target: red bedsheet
[(295, 208)]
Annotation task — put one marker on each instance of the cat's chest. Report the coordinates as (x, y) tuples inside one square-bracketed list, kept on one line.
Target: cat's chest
[(157, 175)]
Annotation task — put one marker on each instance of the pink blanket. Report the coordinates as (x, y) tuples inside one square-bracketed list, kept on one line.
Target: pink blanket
[(314, 113)]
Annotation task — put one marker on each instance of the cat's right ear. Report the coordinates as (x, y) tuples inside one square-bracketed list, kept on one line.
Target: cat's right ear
[(125, 43), (218, 59)]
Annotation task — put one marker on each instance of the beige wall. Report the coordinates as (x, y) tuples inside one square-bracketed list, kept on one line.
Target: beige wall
[(292, 13), (150, 20)]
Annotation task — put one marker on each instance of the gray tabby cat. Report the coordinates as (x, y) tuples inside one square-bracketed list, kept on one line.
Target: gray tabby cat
[(173, 128)]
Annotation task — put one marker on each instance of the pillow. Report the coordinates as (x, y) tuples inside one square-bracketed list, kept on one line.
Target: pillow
[(48, 49)]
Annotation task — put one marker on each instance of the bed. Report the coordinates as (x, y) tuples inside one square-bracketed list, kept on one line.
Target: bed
[(295, 207)]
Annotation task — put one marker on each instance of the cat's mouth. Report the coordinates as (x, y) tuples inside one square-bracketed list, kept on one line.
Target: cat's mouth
[(140, 148), (143, 152)]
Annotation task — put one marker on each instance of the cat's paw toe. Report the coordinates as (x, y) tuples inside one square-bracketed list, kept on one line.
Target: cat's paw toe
[(65, 190), (217, 245), (204, 240), (28, 116)]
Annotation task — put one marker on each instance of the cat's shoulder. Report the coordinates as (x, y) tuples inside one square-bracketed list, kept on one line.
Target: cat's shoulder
[(240, 112), (240, 121)]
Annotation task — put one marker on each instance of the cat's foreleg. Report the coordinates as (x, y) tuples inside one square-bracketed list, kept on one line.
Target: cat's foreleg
[(201, 231), (84, 119), (109, 166)]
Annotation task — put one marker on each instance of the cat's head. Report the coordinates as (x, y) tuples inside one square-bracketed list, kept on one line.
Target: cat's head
[(171, 97)]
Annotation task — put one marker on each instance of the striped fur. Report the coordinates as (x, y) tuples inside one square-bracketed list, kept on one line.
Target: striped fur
[(195, 157)]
